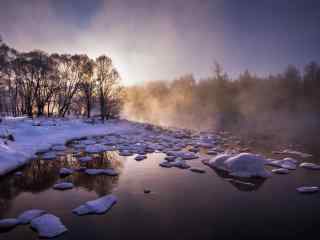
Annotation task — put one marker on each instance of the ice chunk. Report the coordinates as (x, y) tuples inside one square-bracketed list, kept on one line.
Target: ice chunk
[(65, 171), (98, 206), (48, 226), (8, 223), (311, 189), (63, 186), (280, 171), (102, 171), (308, 165), (27, 216)]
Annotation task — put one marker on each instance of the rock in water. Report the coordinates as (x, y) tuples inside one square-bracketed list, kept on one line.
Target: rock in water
[(48, 226), (308, 165), (98, 206), (219, 161), (280, 171), (8, 223), (63, 186), (312, 189), (27, 216)]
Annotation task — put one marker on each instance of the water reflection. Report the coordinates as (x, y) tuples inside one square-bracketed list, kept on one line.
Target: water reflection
[(242, 184), (41, 175)]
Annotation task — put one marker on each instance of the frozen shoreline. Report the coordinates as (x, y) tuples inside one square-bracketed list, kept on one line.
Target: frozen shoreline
[(32, 136)]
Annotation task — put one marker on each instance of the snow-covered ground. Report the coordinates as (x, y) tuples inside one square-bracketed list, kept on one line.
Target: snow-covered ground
[(32, 136)]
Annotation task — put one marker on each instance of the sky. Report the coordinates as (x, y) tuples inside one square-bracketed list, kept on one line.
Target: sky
[(164, 39)]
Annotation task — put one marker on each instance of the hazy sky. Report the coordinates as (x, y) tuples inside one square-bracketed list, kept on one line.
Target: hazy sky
[(162, 39)]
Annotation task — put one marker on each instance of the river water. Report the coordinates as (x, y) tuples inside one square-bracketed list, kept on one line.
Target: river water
[(182, 204)]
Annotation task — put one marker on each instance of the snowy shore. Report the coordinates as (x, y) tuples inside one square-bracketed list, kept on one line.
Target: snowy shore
[(32, 136)]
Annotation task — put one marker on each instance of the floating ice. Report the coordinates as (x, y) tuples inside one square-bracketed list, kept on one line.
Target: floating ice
[(48, 226), (98, 206), (308, 165), (27, 216), (63, 186)]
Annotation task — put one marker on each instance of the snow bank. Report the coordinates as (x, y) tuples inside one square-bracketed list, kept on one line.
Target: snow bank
[(30, 138)]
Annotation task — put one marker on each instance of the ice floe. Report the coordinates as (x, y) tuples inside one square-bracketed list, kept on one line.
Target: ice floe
[(101, 171)]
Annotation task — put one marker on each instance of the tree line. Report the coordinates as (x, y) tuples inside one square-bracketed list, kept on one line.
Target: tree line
[(285, 104), (37, 83)]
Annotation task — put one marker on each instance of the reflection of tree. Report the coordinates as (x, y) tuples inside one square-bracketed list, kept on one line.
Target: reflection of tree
[(40, 175), (242, 184)]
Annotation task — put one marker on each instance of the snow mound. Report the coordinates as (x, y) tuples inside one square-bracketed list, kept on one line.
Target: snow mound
[(63, 186), (308, 165), (27, 216), (98, 206), (48, 226), (8, 223)]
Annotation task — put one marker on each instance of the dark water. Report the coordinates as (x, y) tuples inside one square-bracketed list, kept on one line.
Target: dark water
[(182, 204)]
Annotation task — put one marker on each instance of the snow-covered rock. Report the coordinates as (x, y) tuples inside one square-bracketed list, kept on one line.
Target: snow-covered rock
[(288, 163), (58, 148), (8, 223), (280, 171), (98, 206), (63, 186), (102, 171), (219, 161), (48, 226), (66, 171), (27, 216), (49, 156), (97, 148), (307, 189), (308, 165)]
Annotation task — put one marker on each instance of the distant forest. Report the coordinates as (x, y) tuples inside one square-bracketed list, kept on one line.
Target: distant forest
[(36, 83), (286, 105)]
